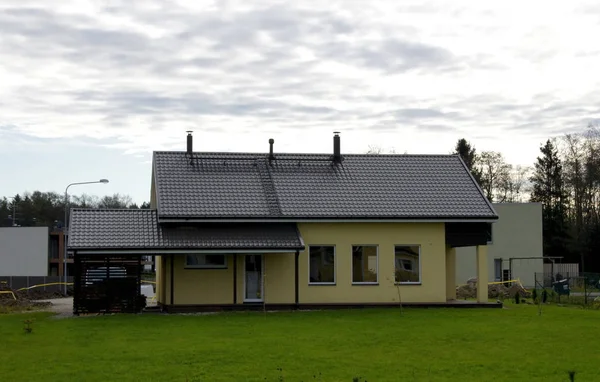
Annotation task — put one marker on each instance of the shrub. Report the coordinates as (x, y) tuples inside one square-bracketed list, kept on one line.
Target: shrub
[(534, 295), (27, 326)]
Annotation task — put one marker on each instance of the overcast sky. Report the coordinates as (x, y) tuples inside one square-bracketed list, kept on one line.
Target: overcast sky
[(88, 89)]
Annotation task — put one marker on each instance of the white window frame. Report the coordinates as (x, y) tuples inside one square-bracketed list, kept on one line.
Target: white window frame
[(334, 264), (187, 266), (376, 264), (420, 266)]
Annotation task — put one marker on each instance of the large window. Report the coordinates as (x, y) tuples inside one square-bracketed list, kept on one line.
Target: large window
[(205, 261), (321, 264), (364, 264), (407, 260)]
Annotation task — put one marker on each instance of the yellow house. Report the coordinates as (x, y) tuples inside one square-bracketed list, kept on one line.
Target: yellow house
[(247, 230)]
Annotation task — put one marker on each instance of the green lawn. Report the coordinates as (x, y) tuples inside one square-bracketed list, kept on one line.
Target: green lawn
[(512, 344)]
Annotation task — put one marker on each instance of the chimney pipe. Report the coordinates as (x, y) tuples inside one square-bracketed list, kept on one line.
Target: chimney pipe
[(337, 156), (190, 145), (271, 156)]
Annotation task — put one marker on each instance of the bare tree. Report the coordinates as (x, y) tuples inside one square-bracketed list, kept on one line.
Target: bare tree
[(85, 201), (374, 149), (515, 185), (581, 158), (574, 159), (115, 201), (495, 175)]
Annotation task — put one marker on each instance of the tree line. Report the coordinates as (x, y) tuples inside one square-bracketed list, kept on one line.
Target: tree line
[(565, 178), (48, 208)]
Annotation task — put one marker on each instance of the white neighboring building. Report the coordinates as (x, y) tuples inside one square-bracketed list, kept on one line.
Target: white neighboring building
[(24, 251), (516, 234)]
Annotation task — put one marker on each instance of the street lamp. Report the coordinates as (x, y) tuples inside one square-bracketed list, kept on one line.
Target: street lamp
[(14, 214), (104, 181)]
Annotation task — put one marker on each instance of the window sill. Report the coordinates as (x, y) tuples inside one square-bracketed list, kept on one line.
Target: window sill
[(204, 268), (365, 283), (321, 284), (408, 283)]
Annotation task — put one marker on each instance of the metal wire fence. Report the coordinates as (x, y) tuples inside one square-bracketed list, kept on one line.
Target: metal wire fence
[(579, 288), (51, 284)]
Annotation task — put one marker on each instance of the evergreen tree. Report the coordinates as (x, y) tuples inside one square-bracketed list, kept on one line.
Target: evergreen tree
[(469, 156), (548, 188)]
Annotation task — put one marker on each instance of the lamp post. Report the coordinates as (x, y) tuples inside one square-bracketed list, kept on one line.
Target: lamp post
[(14, 214), (65, 228)]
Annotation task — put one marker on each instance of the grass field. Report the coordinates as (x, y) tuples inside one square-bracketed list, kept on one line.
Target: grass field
[(512, 344)]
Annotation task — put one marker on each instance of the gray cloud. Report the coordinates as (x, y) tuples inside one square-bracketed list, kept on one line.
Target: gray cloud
[(282, 66), (432, 128), (389, 55)]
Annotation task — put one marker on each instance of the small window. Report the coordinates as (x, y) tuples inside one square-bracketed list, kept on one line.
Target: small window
[(321, 264), (488, 233), (408, 263), (364, 264), (205, 261)]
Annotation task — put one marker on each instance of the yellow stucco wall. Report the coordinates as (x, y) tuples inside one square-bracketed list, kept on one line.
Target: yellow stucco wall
[(203, 286), (279, 278), (430, 236), (215, 286)]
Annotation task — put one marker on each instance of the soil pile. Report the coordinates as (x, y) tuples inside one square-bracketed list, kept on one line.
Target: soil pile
[(494, 291)]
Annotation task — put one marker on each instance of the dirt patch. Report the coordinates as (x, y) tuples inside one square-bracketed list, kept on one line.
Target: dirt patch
[(28, 294), (494, 291), (23, 300), (16, 305)]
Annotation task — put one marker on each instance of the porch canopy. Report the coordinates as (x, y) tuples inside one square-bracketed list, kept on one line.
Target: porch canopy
[(125, 231)]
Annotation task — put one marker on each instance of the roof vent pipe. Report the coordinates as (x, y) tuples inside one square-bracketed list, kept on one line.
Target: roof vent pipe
[(271, 156), (337, 156), (190, 144)]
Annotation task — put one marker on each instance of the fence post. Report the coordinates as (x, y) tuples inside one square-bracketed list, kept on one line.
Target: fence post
[(584, 289)]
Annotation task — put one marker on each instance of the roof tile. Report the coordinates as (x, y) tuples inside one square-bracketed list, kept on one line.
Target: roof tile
[(139, 229), (237, 185)]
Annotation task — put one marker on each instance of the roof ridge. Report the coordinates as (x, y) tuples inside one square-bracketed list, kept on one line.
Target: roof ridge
[(269, 187), (264, 154), (111, 209)]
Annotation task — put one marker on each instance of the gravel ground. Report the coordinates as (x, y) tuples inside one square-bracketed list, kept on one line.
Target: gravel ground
[(63, 307)]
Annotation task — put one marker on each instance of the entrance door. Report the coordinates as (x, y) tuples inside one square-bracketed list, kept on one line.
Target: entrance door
[(253, 278), (497, 269)]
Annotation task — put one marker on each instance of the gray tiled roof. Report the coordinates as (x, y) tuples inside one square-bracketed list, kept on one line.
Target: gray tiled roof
[(139, 229), (309, 186)]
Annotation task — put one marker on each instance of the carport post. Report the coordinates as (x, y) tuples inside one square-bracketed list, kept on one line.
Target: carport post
[(234, 278), (296, 276), (482, 274), (172, 271)]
